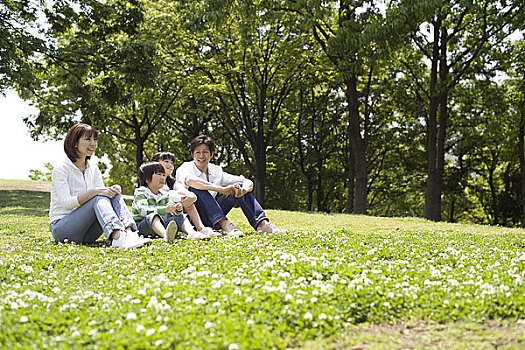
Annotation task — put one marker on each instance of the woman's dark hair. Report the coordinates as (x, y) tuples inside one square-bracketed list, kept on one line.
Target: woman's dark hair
[(73, 135), (202, 140), (147, 170), (157, 157)]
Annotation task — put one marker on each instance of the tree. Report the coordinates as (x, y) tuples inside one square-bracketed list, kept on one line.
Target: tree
[(457, 34), (242, 57), (105, 71), (20, 42), (517, 101), (355, 36)]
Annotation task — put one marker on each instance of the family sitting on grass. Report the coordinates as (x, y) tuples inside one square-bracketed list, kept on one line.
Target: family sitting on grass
[(82, 207)]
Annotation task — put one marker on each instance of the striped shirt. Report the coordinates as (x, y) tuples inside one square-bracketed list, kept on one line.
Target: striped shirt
[(147, 202)]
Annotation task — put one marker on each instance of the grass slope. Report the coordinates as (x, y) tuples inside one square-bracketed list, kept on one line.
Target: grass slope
[(335, 282)]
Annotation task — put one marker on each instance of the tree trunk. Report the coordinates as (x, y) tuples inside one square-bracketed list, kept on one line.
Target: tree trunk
[(432, 209), (357, 147), (351, 183), (320, 190), (139, 155), (521, 154), (260, 176)]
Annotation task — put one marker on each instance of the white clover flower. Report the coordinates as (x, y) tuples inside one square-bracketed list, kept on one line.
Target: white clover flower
[(159, 342), (199, 301), (24, 319), (150, 332), (139, 328), (233, 346), (163, 328), (322, 316), (168, 295), (308, 316), (208, 325), (131, 316), (248, 300), (288, 297)]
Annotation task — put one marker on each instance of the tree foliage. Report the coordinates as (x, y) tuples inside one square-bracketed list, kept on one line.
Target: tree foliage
[(395, 108)]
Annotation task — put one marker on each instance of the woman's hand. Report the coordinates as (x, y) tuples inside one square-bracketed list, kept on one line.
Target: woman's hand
[(117, 188), (109, 192)]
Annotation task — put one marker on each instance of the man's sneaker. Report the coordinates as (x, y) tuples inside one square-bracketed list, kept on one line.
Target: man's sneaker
[(232, 231), (268, 227), (171, 232), (210, 232), (127, 240), (198, 235)]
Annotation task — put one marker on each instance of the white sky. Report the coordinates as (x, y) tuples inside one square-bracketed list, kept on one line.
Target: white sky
[(18, 152)]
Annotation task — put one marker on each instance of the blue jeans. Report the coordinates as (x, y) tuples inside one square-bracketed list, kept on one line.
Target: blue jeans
[(145, 226), (212, 211), (86, 223)]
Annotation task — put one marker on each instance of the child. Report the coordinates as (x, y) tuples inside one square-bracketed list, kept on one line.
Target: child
[(167, 159), (152, 210)]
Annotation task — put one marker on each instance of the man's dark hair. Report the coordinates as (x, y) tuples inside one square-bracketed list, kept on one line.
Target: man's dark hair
[(202, 140), (147, 170)]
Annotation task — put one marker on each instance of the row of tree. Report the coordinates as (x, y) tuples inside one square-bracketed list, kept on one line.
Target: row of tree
[(389, 107)]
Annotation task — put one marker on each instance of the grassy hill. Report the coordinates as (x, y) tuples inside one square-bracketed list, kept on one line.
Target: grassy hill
[(335, 282)]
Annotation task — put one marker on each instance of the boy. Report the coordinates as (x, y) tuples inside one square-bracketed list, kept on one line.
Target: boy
[(167, 159), (152, 210)]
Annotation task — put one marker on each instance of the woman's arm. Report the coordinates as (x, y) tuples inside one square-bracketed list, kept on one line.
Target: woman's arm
[(109, 192)]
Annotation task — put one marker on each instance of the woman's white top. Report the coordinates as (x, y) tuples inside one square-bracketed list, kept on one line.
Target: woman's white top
[(67, 183)]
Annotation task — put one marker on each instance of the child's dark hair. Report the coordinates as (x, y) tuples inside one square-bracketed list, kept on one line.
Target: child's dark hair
[(163, 156), (147, 170), (157, 157)]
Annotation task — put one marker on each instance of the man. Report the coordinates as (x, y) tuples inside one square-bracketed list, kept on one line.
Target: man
[(206, 180)]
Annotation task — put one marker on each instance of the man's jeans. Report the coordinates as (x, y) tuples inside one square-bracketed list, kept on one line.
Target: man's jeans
[(86, 223), (212, 211)]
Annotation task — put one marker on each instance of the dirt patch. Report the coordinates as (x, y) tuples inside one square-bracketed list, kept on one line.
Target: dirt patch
[(30, 186), (421, 335)]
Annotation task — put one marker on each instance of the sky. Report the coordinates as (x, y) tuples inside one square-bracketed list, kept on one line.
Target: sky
[(19, 154)]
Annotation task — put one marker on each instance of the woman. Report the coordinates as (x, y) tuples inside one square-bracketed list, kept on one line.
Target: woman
[(81, 206)]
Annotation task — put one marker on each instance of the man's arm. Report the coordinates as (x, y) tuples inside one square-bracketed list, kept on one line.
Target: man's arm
[(201, 184)]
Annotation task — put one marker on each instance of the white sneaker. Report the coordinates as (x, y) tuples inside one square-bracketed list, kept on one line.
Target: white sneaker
[(270, 228), (232, 231), (171, 232), (198, 235), (127, 240), (210, 232)]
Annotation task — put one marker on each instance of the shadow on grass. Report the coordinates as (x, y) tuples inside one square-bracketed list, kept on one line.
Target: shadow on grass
[(24, 203)]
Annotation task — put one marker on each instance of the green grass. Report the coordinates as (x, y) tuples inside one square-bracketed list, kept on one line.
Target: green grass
[(335, 282)]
